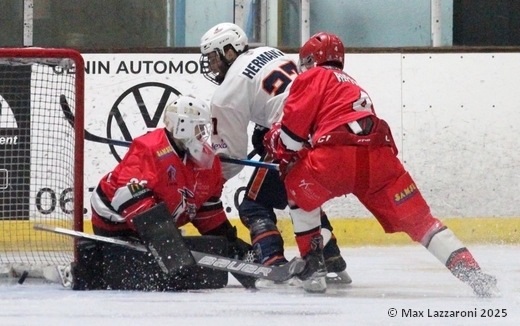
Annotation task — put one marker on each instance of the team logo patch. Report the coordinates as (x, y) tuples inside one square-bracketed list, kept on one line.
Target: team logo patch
[(172, 171), (220, 145), (405, 194), (136, 189), (162, 153)]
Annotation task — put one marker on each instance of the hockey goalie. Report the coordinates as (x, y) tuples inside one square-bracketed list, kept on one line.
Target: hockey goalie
[(173, 166)]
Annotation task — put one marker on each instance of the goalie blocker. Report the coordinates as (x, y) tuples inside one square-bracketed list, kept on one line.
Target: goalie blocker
[(167, 265)]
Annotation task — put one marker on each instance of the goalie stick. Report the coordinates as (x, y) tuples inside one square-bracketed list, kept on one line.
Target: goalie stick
[(273, 273), (123, 143)]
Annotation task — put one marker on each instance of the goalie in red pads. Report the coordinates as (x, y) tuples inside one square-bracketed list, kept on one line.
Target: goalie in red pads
[(173, 165), (351, 151)]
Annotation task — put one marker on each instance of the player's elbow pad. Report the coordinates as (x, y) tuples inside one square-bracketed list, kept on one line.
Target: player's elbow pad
[(133, 210), (131, 200)]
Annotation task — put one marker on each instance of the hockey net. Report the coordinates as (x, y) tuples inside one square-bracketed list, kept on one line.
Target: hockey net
[(41, 157)]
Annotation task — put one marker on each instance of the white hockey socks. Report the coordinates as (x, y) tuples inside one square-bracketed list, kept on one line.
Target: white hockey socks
[(450, 251)]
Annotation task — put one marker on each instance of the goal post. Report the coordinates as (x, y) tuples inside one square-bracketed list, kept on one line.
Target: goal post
[(41, 156)]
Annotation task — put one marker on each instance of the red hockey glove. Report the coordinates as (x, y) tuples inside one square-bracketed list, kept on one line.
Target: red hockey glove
[(286, 165), (274, 146)]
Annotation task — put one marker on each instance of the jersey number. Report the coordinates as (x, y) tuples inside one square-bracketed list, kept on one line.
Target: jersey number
[(275, 83), (278, 80), (364, 103)]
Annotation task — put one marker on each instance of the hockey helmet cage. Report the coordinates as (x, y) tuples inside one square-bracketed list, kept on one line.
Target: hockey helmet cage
[(213, 42), (188, 120)]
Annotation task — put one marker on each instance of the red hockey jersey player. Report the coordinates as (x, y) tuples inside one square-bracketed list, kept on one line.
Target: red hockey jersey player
[(176, 166), (351, 151), (173, 165)]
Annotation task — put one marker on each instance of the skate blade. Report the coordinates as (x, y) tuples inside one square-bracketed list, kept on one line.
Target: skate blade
[(492, 292), (315, 285), (338, 278), (293, 282)]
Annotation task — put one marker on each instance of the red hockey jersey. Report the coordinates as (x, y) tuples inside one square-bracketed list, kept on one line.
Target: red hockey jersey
[(304, 113), (155, 170)]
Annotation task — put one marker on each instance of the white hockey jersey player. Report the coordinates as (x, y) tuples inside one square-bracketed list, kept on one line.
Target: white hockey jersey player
[(253, 85), (254, 78)]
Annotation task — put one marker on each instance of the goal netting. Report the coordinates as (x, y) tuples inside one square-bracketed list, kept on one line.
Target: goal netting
[(41, 157)]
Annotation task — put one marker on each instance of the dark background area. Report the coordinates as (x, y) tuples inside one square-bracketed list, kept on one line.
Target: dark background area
[(486, 22), (126, 24)]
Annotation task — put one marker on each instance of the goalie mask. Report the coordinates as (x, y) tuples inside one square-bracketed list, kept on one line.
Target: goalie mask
[(214, 46), (322, 48), (188, 121)]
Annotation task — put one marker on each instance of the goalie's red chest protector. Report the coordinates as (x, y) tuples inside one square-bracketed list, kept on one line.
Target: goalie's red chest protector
[(168, 176), (153, 162)]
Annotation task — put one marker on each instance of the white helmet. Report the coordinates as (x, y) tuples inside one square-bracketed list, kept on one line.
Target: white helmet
[(188, 120), (215, 40)]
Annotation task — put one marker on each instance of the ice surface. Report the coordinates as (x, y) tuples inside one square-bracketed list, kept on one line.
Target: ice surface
[(383, 278)]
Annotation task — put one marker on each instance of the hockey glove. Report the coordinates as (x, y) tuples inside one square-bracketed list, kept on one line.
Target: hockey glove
[(274, 145), (277, 149), (258, 139)]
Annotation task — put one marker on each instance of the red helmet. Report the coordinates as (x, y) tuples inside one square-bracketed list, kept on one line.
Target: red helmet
[(321, 48)]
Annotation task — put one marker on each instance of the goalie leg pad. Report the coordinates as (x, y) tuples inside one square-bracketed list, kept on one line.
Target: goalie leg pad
[(127, 269), (198, 277), (88, 268)]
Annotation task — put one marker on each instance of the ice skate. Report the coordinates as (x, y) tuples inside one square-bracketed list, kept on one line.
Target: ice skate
[(315, 272), (336, 271), (483, 285), (336, 265)]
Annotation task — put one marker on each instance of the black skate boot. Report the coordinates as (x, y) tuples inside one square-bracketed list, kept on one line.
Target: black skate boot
[(313, 276), (336, 265)]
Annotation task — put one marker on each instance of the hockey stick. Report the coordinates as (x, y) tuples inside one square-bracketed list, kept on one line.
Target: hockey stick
[(273, 273), (114, 142), (88, 136), (258, 164)]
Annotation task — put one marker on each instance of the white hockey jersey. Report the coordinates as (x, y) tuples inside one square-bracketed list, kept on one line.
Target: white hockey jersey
[(255, 77)]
